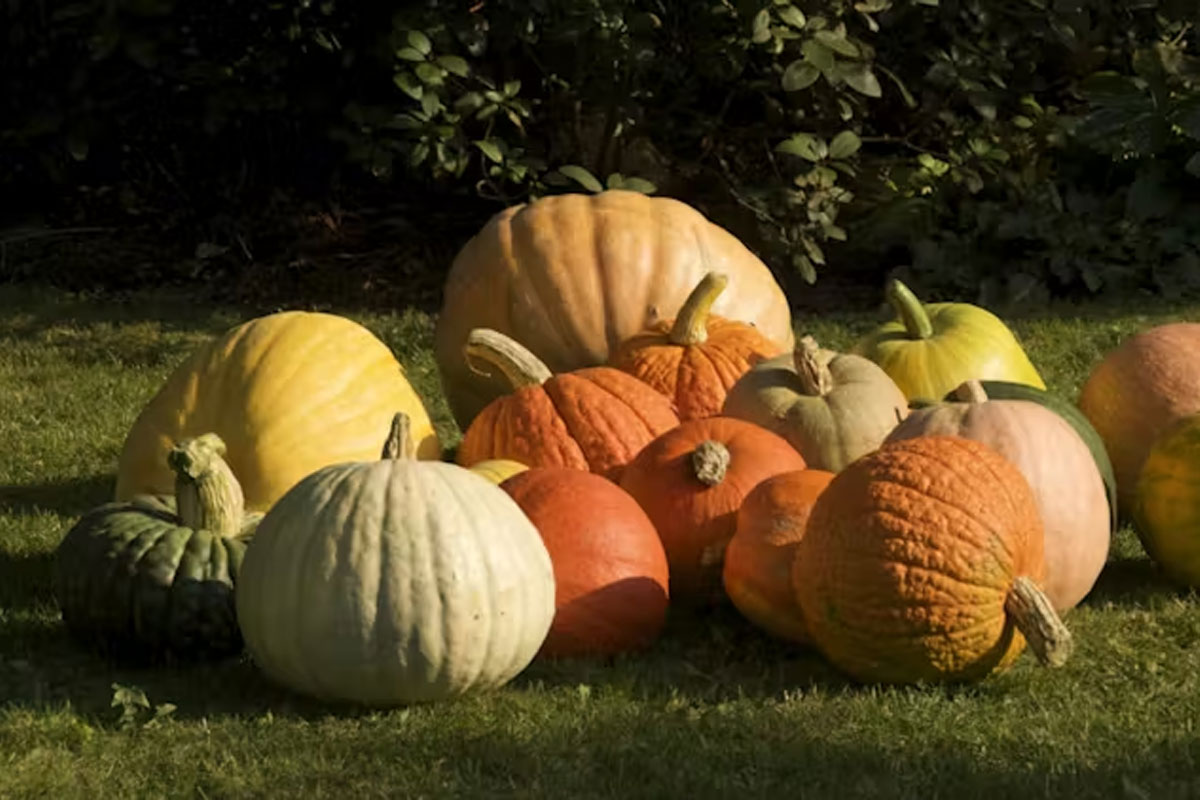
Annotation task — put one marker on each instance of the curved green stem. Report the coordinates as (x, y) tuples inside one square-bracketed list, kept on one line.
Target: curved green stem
[(207, 495), (911, 310), (691, 324)]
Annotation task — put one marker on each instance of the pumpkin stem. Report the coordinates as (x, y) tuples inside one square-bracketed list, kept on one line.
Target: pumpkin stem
[(399, 445), (691, 324), (911, 310), (710, 462), (1035, 617), (207, 494), (521, 367), (815, 378), (971, 391)]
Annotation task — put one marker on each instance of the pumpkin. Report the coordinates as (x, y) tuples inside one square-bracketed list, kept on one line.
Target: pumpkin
[(1166, 512), (758, 561), (922, 562), (1137, 391), (288, 393), (498, 470), (691, 481), (394, 581), (832, 407), (931, 349), (154, 576), (594, 419), (610, 571), (695, 358), (571, 276)]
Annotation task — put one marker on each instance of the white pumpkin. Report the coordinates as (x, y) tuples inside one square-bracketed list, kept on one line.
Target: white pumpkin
[(393, 582)]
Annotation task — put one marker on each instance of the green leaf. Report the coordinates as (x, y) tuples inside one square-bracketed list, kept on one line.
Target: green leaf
[(1193, 165), (905, 94), (581, 176), (844, 145), (804, 145), (814, 250), (818, 55), (408, 84), (838, 43), (639, 185), (761, 28), (858, 76), (409, 54), (1022, 122), (511, 88), (431, 103), (615, 181), (933, 164), (430, 74), (420, 42), (419, 153), (468, 102), (805, 267), (454, 65), (792, 16), (490, 149), (799, 75)]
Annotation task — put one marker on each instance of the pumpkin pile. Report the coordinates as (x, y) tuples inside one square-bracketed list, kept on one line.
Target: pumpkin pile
[(643, 436)]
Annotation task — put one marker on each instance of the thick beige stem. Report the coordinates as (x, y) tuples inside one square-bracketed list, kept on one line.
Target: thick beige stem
[(710, 462), (1034, 615), (399, 444), (971, 391), (691, 323), (207, 494), (815, 378), (520, 367)]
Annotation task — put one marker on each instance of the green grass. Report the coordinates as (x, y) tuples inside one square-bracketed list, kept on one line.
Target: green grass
[(714, 710)]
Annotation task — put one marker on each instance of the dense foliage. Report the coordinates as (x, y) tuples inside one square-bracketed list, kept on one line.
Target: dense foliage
[(1005, 149)]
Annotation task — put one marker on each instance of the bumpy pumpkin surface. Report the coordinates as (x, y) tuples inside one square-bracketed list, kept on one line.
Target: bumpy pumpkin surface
[(594, 419), (610, 571), (155, 576), (921, 561), (395, 581), (832, 407), (572, 276), (758, 561), (1167, 509), (1140, 389), (695, 358), (930, 349), (691, 481), (288, 393)]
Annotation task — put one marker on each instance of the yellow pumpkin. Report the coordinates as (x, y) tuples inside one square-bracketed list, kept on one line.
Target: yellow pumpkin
[(930, 350), (498, 470), (288, 393), (1167, 506)]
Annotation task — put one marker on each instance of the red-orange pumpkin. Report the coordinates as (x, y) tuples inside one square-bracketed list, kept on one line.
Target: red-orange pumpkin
[(594, 419), (610, 571), (691, 481)]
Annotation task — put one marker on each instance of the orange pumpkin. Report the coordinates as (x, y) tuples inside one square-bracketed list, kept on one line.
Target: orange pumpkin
[(594, 419), (922, 562), (695, 358), (610, 571), (758, 561), (691, 481)]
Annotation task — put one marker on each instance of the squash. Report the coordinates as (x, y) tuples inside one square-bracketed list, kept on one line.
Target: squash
[(832, 407), (154, 576), (498, 470), (691, 482), (394, 581), (1137, 391), (695, 358), (759, 559), (931, 349), (1059, 468), (594, 419), (571, 276), (1166, 512), (288, 393), (922, 562), (610, 571)]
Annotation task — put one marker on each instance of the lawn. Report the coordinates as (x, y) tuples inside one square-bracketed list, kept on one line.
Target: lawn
[(714, 710)]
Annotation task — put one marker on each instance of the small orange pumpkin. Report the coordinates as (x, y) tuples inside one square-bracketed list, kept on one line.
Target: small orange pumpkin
[(695, 358)]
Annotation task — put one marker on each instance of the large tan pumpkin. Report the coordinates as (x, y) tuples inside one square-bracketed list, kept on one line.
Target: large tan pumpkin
[(572, 276)]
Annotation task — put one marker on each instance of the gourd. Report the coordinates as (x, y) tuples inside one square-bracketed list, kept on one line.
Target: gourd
[(932, 348), (594, 419), (571, 276), (691, 481), (288, 393), (154, 577), (832, 407), (1166, 512), (498, 470), (922, 561), (395, 581), (695, 358), (610, 571)]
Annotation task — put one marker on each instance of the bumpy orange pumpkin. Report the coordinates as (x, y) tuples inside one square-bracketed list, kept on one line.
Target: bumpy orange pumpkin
[(594, 419), (758, 561), (695, 358), (922, 562), (691, 481)]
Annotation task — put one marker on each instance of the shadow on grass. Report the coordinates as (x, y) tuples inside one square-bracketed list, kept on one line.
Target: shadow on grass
[(1134, 582), (69, 496), (26, 580)]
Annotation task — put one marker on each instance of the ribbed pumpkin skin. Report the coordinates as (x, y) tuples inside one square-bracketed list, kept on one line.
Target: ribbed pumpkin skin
[(288, 393), (1167, 510), (610, 571), (1140, 389), (498, 470), (1059, 469), (131, 579), (394, 582), (572, 276), (909, 556), (759, 558), (594, 419), (696, 376), (694, 521)]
